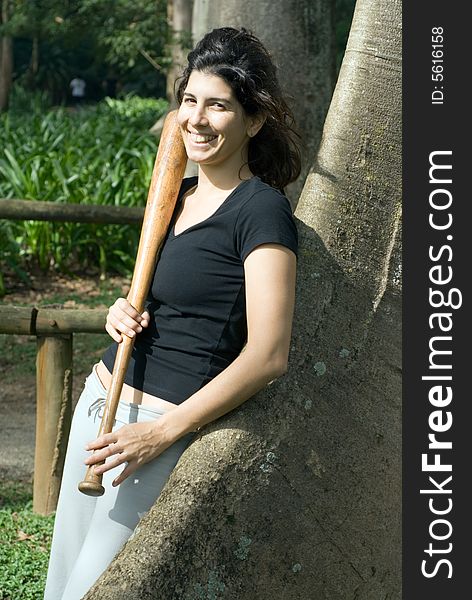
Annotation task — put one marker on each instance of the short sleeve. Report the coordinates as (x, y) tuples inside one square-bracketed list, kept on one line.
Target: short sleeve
[(265, 218)]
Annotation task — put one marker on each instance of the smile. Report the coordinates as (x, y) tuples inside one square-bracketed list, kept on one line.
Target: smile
[(198, 138)]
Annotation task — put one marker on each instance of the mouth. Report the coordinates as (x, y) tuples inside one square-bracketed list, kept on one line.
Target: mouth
[(199, 138)]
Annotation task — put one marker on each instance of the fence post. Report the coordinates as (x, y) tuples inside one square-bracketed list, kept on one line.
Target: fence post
[(53, 418)]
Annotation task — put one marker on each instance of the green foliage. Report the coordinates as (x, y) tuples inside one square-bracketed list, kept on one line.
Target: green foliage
[(56, 40), (23, 100), (128, 28), (133, 108), (10, 254), (24, 544), (97, 155)]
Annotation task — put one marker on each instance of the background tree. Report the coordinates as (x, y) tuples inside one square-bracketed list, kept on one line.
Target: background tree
[(131, 31), (6, 55), (179, 14), (55, 40), (297, 493)]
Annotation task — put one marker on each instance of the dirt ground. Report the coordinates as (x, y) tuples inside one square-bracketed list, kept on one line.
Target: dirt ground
[(17, 391)]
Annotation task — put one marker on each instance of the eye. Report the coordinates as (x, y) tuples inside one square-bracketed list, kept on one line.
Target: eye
[(219, 105), (189, 100)]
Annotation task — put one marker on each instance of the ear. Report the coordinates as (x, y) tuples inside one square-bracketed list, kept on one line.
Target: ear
[(255, 124)]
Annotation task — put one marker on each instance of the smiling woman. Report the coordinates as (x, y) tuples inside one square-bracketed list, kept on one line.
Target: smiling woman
[(225, 280), (215, 128), (216, 133)]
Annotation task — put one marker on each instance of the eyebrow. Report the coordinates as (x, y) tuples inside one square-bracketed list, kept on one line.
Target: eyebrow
[(210, 99)]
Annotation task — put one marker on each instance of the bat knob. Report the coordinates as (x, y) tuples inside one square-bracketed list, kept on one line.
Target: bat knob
[(91, 488), (92, 484)]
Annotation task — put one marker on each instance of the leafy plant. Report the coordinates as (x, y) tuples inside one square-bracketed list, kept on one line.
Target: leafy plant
[(96, 155)]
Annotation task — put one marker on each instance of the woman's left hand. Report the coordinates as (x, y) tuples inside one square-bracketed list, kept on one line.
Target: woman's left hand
[(135, 444)]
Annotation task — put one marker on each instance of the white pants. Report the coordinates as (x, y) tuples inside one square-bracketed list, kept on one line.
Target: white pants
[(89, 532)]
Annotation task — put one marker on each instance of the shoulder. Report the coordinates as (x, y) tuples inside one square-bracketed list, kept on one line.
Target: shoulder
[(264, 192), (260, 200), (265, 216)]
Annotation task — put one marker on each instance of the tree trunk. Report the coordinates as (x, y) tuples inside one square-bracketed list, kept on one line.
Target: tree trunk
[(179, 15), (6, 60), (34, 62), (297, 494), (300, 36)]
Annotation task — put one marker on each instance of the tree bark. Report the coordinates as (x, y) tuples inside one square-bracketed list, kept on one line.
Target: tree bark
[(297, 493), (34, 62), (300, 36), (179, 14), (6, 60)]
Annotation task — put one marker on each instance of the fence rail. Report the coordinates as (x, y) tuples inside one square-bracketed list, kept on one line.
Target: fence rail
[(54, 329), (35, 210), (49, 321)]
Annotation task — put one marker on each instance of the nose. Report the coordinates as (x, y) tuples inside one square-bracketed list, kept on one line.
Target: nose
[(198, 116)]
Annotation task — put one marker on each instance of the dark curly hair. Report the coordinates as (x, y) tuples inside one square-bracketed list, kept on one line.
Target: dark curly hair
[(239, 57)]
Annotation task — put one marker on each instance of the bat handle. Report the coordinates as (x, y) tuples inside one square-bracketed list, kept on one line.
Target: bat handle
[(92, 484)]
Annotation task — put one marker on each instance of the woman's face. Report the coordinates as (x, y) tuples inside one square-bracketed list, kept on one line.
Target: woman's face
[(215, 128)]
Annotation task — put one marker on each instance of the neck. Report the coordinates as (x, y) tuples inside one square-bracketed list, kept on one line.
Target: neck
[(212, 179), (223, 177)]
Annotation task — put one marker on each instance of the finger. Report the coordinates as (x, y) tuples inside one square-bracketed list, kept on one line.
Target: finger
[(124, 325), (122, 310), (130, 468), (123, 317), (109, 464), (100, 456), (145, 319), (113, 333), (124, 305), (106, 439)]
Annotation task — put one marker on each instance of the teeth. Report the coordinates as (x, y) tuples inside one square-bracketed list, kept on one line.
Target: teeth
[(196, 137)]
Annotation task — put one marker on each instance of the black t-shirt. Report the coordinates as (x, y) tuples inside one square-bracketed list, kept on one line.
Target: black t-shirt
[(197, 299)]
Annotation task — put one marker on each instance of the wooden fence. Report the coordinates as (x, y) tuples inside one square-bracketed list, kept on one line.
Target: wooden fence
[(54, 329)]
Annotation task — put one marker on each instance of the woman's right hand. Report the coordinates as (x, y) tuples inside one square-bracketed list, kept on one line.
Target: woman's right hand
[(122, 318)]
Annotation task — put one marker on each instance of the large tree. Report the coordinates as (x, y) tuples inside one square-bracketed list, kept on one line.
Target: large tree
[(296, 494), (179, 14), (6, 55), (300, 35)]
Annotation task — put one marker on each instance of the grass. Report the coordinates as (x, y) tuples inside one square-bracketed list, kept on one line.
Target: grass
[(24, 544)]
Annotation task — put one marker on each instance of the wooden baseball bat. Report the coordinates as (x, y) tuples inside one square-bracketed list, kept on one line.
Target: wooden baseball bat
[(167, 176)]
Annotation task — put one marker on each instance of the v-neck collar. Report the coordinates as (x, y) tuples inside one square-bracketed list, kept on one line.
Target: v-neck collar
[(173, 235)]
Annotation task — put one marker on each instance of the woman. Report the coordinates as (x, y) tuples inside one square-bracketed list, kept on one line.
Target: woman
[(225, 279)]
